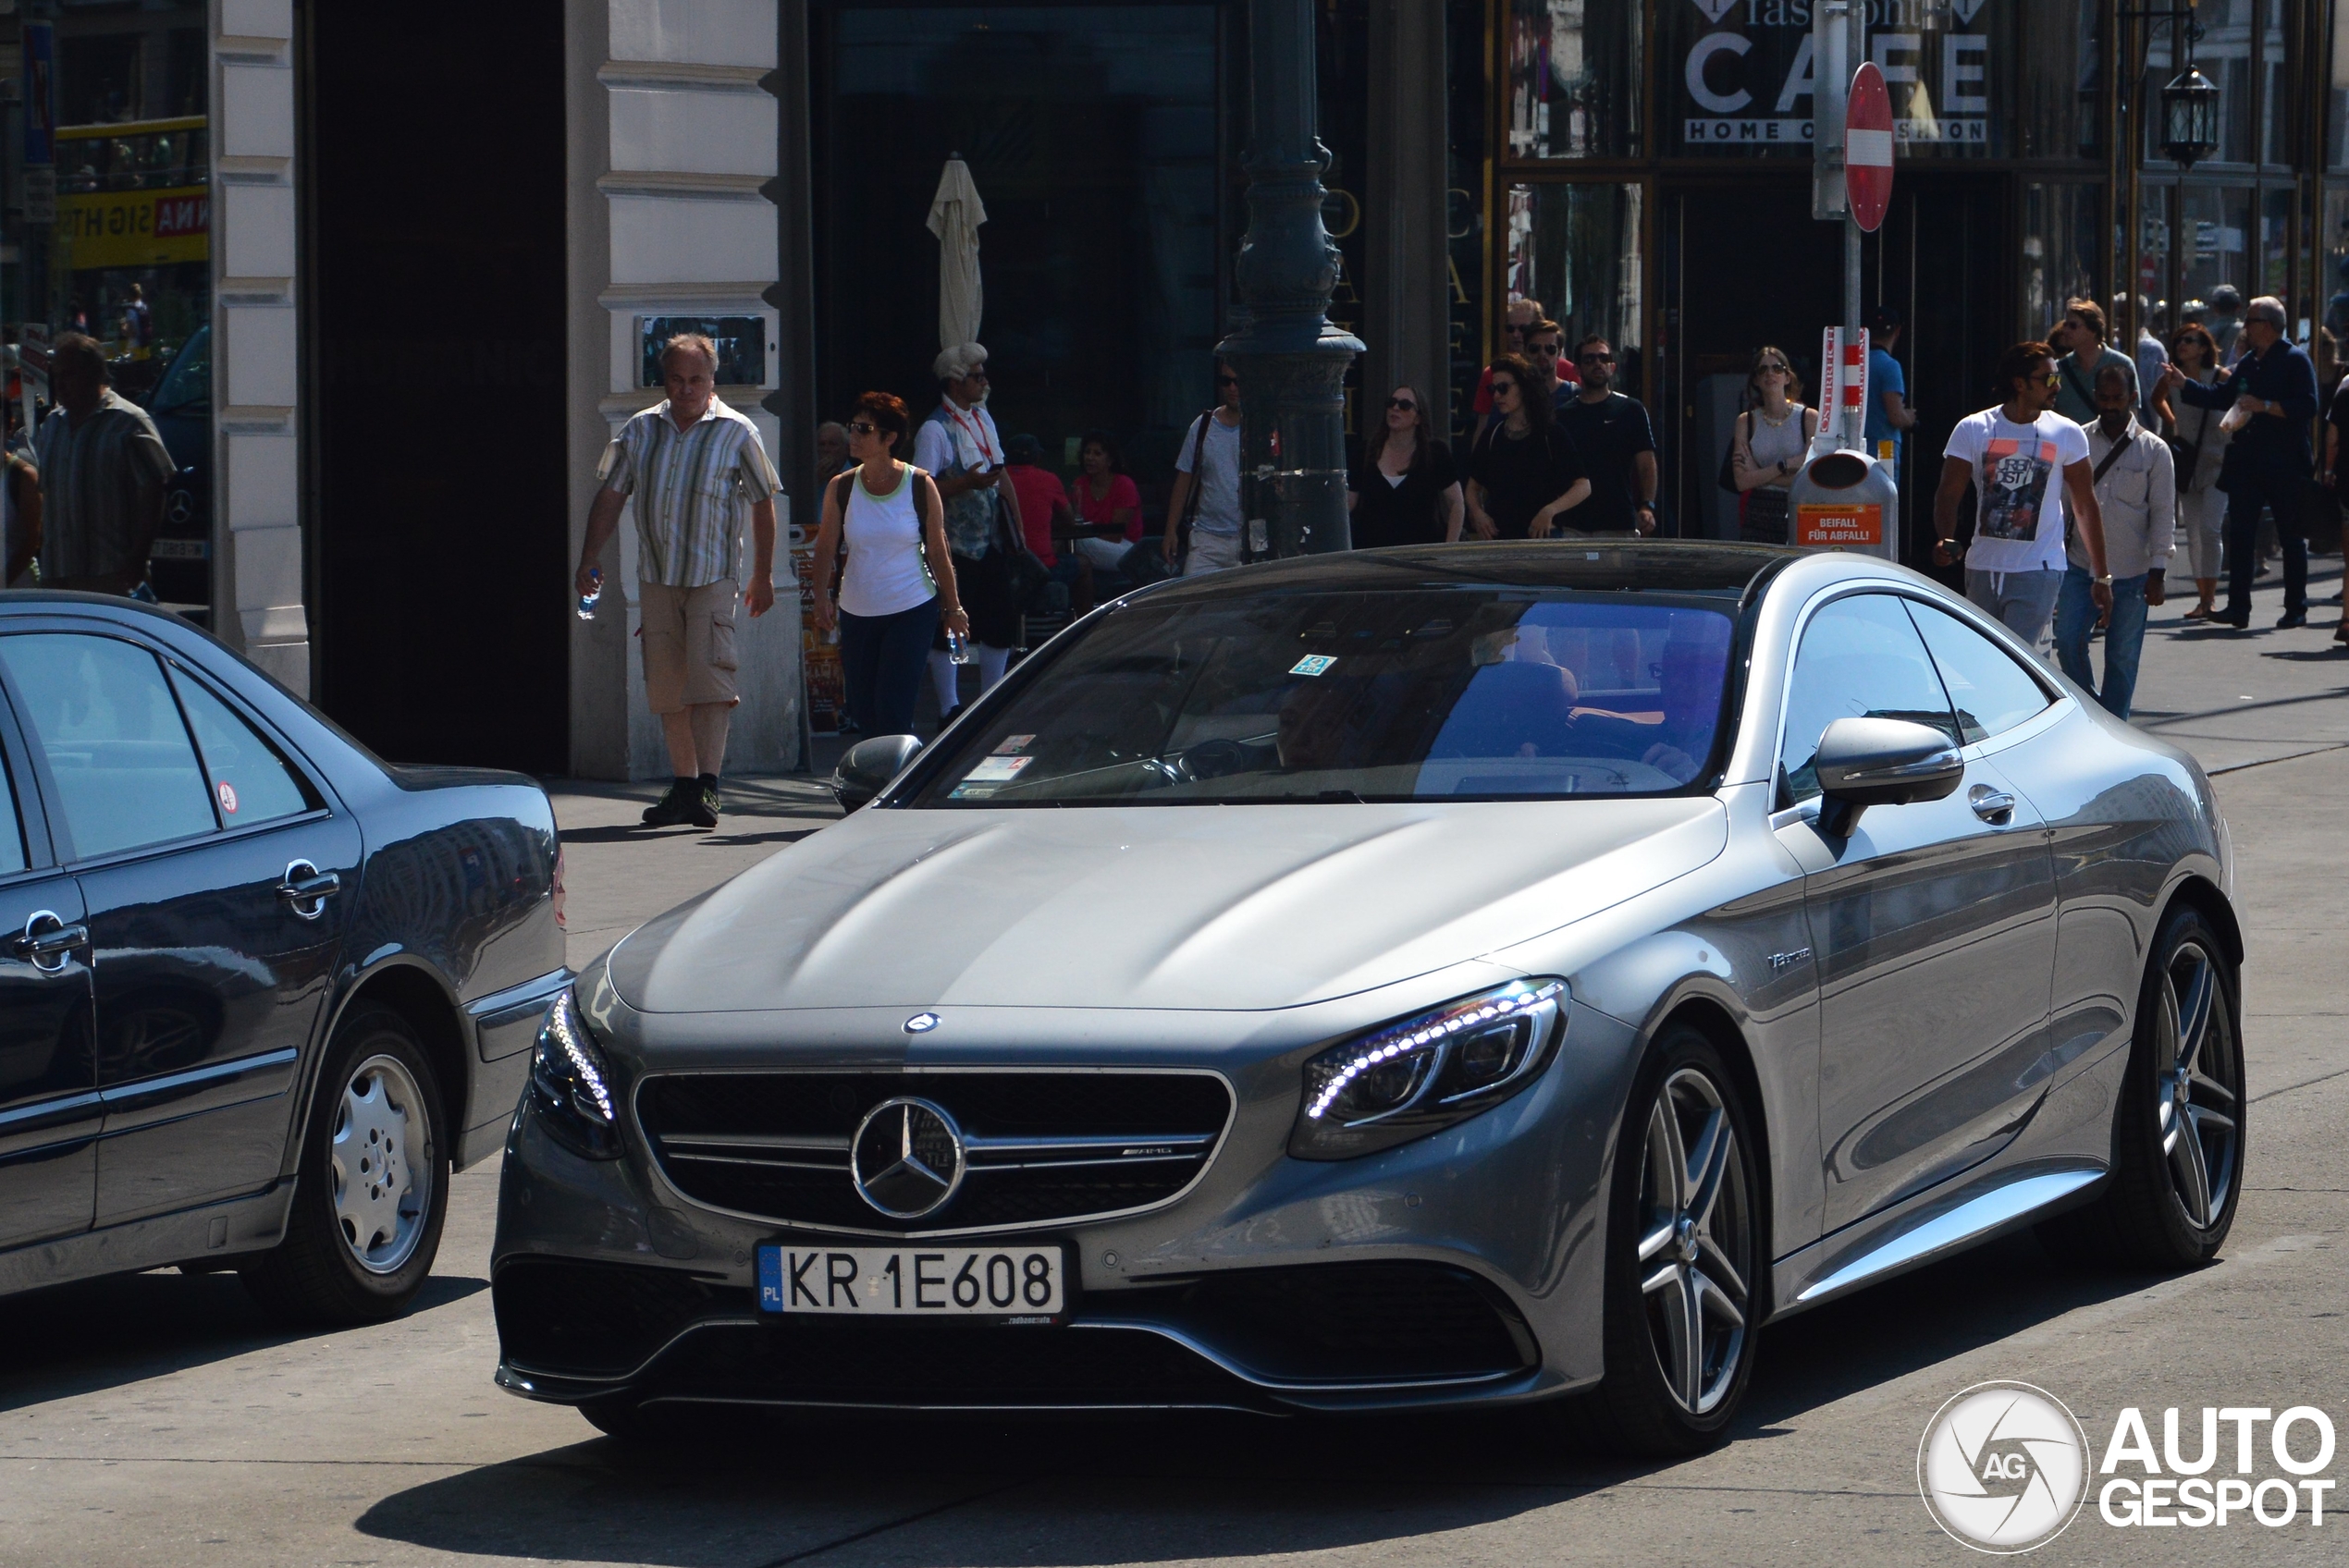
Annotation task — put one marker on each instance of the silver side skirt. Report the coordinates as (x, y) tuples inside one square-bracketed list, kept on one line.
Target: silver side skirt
[(216, 1231)]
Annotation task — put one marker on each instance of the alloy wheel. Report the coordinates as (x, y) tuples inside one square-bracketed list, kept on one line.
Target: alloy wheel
[(1695, 1252), (380, 1165), (2198, 1080)]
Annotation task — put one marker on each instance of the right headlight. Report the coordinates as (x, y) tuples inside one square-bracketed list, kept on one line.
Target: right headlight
[(1426, 1073), (571, 1083)]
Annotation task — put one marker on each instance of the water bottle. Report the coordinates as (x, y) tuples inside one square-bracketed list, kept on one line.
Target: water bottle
[(958, 647), (588, 600)]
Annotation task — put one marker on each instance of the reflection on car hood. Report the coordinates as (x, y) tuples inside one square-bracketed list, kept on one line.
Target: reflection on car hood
[(1240, 907)]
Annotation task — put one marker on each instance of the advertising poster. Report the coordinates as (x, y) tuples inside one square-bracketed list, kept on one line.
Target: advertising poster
[(819, 660)]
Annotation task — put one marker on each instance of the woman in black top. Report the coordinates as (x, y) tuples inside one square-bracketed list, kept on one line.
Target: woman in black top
[(1523, 471), (1405, 491)]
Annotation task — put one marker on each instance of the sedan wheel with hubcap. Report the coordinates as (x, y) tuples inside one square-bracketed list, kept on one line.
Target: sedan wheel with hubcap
[(381, 1166)]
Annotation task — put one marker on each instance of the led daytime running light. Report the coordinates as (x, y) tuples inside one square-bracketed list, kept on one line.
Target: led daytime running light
[(1419, 1033), (563, 1025)]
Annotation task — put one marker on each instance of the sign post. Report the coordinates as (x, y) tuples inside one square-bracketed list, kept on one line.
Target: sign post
[(1867, 182)]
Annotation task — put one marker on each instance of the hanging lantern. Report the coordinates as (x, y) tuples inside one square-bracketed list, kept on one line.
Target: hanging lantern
[(2190, 118)]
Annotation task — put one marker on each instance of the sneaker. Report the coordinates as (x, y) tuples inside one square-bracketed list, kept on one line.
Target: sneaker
[(675, 809), (703, 810)]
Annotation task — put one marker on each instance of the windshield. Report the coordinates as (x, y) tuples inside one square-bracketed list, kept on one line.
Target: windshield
[(1436, 693)]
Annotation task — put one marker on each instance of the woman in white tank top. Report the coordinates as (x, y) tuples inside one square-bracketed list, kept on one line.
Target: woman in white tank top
[(900, 580)]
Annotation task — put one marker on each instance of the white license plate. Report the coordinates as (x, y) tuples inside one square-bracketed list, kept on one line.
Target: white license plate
[(912, 1281)]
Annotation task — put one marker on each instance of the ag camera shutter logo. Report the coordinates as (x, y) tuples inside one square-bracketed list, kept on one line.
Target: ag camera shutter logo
[(2003, 1467)]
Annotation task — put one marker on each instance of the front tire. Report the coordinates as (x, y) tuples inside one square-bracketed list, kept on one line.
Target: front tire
[(1685, 1255), (373, 1192), (2178, 1138)]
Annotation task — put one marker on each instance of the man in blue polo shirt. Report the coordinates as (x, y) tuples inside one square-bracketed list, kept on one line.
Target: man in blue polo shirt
[(1888, 412)]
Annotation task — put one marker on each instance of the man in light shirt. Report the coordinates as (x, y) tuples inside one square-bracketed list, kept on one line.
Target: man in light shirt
[(2136, 487)]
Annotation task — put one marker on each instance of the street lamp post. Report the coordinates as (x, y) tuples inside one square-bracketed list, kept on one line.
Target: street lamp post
[(1291, 362)]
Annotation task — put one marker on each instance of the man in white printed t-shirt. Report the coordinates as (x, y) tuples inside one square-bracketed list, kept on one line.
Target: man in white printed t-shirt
[(2012, 456)]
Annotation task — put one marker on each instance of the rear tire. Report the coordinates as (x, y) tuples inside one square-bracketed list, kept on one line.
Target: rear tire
[(1685, 1254), (372, 1188), (2178, 1133)]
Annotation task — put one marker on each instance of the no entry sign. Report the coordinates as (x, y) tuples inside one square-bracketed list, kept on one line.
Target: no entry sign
[(1867, 147)]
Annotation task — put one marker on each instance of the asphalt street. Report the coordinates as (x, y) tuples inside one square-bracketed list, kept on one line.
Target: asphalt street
[(161, 1419)]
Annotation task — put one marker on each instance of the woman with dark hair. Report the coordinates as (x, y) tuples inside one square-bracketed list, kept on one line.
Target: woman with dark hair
[(1106, 499), (899, 588), (1406, 489), (1766, 444), (1523, 471), (2198, 440)]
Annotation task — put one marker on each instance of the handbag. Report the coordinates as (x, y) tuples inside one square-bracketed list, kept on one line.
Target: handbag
[(1023, 575)]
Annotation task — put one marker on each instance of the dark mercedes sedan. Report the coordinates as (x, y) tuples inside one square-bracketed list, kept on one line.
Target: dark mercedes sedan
[(259, 993)]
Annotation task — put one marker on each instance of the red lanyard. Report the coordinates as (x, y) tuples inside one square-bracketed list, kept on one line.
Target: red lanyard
[(978, 434)]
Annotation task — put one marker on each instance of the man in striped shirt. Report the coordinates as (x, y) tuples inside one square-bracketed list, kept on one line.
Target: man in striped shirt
[(696, 470), (102, 473)]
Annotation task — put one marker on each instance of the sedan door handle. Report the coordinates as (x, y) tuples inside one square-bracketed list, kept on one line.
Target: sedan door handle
[(307, 889), (47, 935), (1993, 806)]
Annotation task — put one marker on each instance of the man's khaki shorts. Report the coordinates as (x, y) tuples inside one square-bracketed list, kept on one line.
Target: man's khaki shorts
[(689, 644)]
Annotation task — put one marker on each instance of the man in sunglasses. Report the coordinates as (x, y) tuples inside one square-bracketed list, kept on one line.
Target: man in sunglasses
[(1515, 322), (1206, 497), (1616, 443), (1545, 351), (2023, 458)]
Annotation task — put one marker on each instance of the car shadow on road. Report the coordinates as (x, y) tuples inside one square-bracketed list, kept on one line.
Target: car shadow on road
[(994, 1493), (97, 1334)]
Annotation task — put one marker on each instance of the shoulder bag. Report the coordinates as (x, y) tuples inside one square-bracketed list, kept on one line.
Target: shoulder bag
[(1191, 502)]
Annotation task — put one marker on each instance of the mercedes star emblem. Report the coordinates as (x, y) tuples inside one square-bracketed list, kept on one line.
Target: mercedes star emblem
[(906, 1159), (921, 1023)]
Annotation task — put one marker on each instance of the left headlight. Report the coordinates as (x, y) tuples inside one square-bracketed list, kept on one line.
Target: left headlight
[(571, 1083), (1414, 1077)]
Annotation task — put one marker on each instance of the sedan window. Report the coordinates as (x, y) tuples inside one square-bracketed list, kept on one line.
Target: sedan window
[(1860, 659), (103, 715), (1989, 691), (249, 781), (12, 855)]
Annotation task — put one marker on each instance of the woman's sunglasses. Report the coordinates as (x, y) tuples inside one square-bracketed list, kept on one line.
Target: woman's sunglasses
[(1503, 388), (1227, 381), (862, 427), (1774, 368), (1404, 403)]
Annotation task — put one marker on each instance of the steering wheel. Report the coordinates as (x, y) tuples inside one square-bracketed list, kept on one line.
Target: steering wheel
[(1213, 759)]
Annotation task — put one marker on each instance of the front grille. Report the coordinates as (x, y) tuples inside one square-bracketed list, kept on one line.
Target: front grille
[(599, 1319), (832, 1361), (1042, 1147)]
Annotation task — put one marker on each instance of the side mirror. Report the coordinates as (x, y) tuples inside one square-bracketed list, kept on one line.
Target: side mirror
[(1881, 762), (867, 767)]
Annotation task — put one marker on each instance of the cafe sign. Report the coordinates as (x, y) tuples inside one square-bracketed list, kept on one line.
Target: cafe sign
[(1748, 69)]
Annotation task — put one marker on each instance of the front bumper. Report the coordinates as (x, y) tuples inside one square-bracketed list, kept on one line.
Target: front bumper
[(1464, 1268)]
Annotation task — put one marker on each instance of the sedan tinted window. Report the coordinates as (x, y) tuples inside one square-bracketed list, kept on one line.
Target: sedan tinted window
[(249, 781), (1860, 658), (102, 712), (12, 856), (1989, 689)]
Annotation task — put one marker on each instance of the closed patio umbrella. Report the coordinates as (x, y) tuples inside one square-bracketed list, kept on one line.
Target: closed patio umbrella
[(956, 213)]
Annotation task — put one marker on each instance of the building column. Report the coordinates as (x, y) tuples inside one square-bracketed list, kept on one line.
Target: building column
[(1406, 306), (258, 602), (673, 147)]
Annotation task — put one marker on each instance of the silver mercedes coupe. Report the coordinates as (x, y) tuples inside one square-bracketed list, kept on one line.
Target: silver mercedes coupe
[(1474, 974)]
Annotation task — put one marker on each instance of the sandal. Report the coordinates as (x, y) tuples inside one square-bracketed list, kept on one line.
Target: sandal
[(2200, 612)]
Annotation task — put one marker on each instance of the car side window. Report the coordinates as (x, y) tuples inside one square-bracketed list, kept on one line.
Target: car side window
[(250, 781), (1990, 692), (102, 715), (1860, 658), (12, 855)]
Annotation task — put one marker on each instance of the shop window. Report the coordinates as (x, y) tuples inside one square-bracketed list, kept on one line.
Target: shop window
[(1574, 79), (2337, 99), (2062, 77), (2156, 310), (2276, 95), (129, 257), (2059, 252), (2276, 247), (2216, 229), (1576, 249), (2336, 262)]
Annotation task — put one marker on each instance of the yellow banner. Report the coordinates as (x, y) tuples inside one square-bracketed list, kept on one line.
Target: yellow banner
[(134, 228)]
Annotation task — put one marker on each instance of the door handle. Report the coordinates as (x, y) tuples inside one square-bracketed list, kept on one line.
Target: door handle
[(306, 890), (1993, 806), (47, 935)]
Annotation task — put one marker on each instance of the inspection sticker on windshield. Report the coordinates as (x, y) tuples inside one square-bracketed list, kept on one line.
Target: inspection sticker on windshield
[(996, 770), (1312, 663), (1010, 744)]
